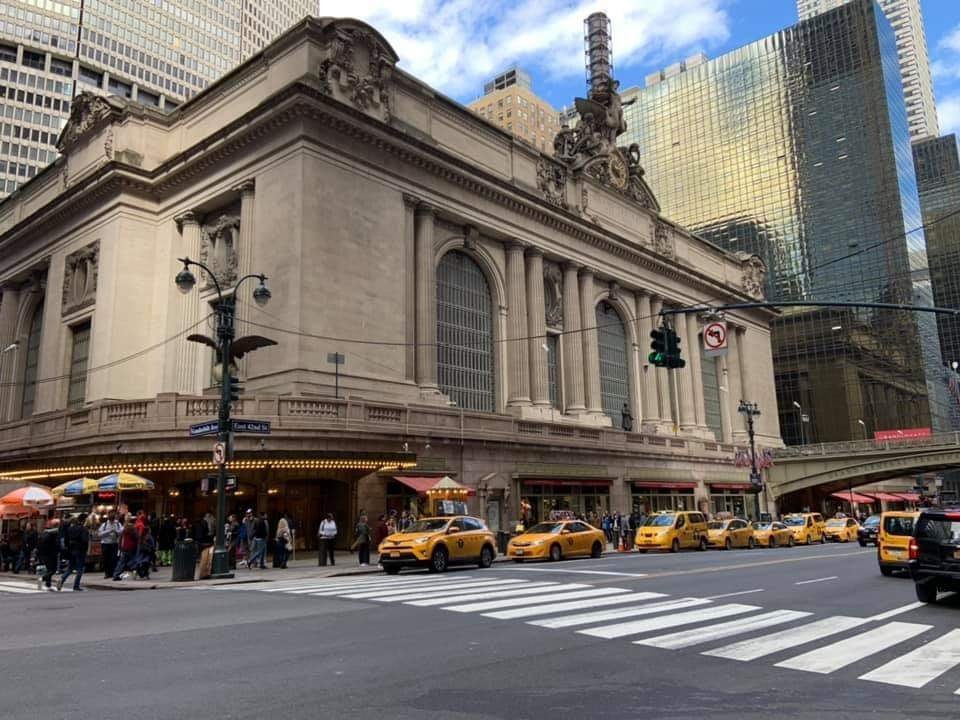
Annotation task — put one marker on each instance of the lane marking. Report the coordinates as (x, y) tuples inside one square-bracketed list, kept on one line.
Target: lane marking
[(817, 580), (574, 605), (735, 594), (604, 615), (463, 594), (345, 584), (827, 659), (896, 611), (786, 639), (581, 572), (917, 668), (526, 590), (697, 636), (635, 627), (517, 602), (383, 593)]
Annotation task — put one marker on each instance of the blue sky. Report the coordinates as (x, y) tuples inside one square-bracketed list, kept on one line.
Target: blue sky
[(455, 44)]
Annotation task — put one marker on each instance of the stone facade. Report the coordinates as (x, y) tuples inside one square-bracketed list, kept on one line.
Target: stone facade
[(346, 181)]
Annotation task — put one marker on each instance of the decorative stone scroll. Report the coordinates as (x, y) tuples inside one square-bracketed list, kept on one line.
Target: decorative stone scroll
[(754, 274), (219, 239), (87, 113), (80, 278), (663, 240), (552, 182)]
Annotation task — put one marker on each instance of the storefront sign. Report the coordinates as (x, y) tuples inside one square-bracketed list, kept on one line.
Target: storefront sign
[(907, 434)]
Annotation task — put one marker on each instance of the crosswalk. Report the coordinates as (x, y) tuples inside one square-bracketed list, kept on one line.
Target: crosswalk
[(18, 587), (793, 640)]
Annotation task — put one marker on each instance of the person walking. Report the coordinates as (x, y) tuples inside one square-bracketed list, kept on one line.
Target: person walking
[(28, 543), (109, 534), (327, 535), (625, 528), (166, 539), (146, 552), (259, 552), (246, 532), (48, 551), (282, 543), (381, 531), (361, 541), (232, 536), (129, 541), (78, 542)]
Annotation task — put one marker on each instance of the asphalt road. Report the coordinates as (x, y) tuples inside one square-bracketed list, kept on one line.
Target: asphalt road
[(791, 632)]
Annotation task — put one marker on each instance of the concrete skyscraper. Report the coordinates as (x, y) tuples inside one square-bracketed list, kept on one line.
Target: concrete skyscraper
[(158, 53), (907, 22), (509, 102)]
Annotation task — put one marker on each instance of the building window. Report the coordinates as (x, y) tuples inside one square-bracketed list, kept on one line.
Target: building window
[(31, 363), (711, 394), (77, 392), (464, 333), (614, 364), (553, 371)]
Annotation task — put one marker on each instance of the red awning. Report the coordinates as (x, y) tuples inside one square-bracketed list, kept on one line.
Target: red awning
[(856, 497), (731, 486), (420, 484), (909, 496), (569, 483), (644, 485), (887, 497)]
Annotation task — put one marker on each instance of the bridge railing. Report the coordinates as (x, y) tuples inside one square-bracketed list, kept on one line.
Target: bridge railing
[(864, 447)]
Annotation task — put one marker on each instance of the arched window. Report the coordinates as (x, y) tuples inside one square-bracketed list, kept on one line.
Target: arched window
[(614, 363), (464, 333), (710, 371), (31, 362)]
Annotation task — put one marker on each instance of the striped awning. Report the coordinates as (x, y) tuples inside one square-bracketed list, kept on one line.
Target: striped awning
[(850, 496)]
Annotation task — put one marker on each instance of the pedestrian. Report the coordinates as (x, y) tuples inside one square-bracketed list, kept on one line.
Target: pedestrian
[(28, 544), (232, 535), (246, 531), (166, 539), (48, 551), (380, 531), (202, 534), (211, 522), (146, 550), (129, 542), (361, 541), (141, 521), (605, 525), (109, 534), (282, 543), (259, 552), (78, 543), (327, 535), (625, 528), (183, 529)]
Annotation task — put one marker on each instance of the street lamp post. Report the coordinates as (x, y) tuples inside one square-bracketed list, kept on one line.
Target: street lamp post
[(803, 439), (750, 411), (226, 313)]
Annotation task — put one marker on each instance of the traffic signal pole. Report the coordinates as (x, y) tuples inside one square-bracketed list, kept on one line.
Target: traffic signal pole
[(225, 333)]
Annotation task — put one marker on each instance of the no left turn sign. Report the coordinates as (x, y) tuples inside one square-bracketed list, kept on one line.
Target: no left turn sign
[(219, 453), (715, 337)]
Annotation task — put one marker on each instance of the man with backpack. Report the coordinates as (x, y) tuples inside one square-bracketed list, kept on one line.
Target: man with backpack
[(78, 542), (48, 551)]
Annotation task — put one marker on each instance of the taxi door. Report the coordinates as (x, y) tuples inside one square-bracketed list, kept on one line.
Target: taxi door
[(583, 537), (684, 531), (458, 542), (740, 533), (473, 534), (568, 539)]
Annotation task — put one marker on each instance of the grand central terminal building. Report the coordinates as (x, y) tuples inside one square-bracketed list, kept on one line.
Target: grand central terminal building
[(447, 301)]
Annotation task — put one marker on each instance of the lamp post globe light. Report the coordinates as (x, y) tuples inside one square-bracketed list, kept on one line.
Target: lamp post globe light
[(186, 281)]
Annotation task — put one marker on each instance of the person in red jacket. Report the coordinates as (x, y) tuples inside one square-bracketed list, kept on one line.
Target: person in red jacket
[(129, 541)]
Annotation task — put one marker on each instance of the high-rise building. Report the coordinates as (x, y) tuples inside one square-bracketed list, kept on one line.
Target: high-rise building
[(796, 148), (158, 53), (509, 102), (907, 22)]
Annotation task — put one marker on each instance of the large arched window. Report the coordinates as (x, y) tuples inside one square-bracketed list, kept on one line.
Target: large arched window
[(464, 333), (31, 362), (614, 362)]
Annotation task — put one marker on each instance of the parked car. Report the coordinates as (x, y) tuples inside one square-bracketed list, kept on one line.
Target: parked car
[(867, 534), (893, 543), (934, 553)]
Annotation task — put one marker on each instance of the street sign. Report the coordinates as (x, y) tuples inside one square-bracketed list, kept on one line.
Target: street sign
[(219, 453), (253, 427), (336, 358), (211, 427), (715, 338), (230, 486)]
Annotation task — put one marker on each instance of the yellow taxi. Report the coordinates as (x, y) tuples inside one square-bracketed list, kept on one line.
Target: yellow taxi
[(807, 528), (556, 540), (772, 534), (672, 530), (893, 540), (728, 534), (436, 543), (841, 529)]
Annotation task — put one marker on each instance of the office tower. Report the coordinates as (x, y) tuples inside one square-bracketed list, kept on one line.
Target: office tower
[(157, 53), (509, 101), (907, 22), (796, 148)]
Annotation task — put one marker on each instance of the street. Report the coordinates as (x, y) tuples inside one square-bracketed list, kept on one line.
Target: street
[(747, 634)]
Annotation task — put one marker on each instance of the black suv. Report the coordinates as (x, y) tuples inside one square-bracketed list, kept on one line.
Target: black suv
[(935, 553), (869, 530)]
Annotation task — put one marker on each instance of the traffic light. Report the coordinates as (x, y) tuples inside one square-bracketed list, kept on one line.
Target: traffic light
[(658, 348), (234, 387), (674, 360)]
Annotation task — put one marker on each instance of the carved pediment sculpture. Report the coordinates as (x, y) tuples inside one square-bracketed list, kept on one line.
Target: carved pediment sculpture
[(663, 240), (754, 274), (88, 113), (552, 182), (219, 236), (357, 65), (80, 278)]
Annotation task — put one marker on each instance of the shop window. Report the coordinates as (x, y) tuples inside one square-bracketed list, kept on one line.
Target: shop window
[(79, 355)]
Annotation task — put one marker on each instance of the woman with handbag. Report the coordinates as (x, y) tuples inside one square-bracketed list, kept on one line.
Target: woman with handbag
[(361, 542), (282, 538)]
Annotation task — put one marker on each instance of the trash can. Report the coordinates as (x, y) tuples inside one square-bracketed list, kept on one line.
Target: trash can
[(184, 560), (503, 539)]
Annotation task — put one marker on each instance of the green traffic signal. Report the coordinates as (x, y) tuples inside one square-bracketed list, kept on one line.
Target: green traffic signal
[(658, 348)]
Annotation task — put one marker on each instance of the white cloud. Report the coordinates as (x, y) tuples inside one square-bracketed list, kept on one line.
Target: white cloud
[(455, 44), (948, 112), (951, 41)]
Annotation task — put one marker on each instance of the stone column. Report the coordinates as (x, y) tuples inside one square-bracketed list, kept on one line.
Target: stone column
[(9, 306), (591, 351), (426, 283), (189, 356), (649, 405), (572, 342), (735, 378), (695, 363), (682, 378), (665, 402), (245, 259), (518, 363), (537, 329)]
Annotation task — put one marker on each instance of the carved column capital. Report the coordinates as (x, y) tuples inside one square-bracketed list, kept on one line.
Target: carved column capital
[(570, 266), (411, 200), (534, 252), (515, 246), (246, 187), (423, 209), (188, 217)]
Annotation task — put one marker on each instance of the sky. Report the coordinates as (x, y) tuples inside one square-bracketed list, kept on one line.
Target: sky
[(454, 45)]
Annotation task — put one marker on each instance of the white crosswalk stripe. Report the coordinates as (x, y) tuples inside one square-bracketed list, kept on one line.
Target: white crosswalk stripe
[(19, 588), (828, 659), (382, 593), (606, 615), (489, 592), (786, 639), (926, 663), (519, 592), (698, 636), (549, 597), (637, 627), (383, 588), (556, 607)]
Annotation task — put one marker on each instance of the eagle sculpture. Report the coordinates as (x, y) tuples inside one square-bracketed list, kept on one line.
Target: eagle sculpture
[(238, 348)]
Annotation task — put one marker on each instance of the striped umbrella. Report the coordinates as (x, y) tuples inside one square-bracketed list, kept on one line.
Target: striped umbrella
[(16, 512), (81, 486), (121, 482), (31, 496)]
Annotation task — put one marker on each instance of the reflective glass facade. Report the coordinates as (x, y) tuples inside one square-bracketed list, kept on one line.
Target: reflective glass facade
[(796, 148)]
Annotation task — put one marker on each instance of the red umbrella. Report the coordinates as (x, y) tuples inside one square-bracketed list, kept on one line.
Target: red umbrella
[(16, 512), (31, 495)]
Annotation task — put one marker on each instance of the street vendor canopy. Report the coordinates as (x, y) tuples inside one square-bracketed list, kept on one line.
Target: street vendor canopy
[(32, 496), (886, 497), (419, 484), (80, 486), (850, 496), (447, 484), (16, 512), (123, 481)]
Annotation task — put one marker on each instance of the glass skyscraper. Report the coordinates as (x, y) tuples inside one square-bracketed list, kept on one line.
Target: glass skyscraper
[(156, 52), (797, 148)]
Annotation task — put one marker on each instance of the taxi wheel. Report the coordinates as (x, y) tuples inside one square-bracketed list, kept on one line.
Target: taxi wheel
[(391, 569), (926, 592), (727, 545), (555, 553), (702, 547), (486, 557), (772, 543), (751, 543), (823, 539), (675, 546), (642, 552), (862, 543), (886, 571), (439, 560), (518, 560), (790, 541), (596, 551)]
